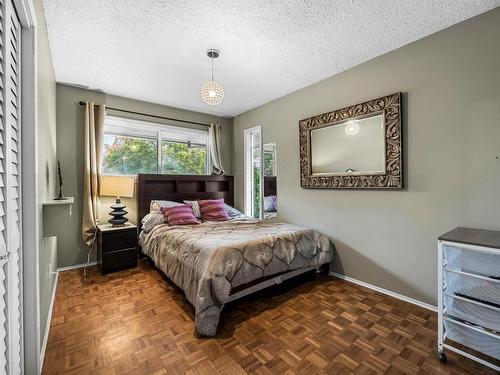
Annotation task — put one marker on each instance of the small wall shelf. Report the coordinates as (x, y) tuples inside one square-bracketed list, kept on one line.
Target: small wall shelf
[(57, 216), (54, 202)]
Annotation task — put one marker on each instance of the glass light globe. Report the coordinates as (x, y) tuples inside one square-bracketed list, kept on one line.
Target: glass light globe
[(212, 93), (352, 128)]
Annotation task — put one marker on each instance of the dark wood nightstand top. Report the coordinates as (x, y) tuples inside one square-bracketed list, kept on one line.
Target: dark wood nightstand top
[(109, 227), (116, 247)]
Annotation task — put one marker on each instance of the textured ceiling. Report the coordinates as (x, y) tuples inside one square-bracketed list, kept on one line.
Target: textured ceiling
[(154, 50)]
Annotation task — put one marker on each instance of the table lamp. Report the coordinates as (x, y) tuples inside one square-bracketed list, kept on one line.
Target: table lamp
[(117, 186)]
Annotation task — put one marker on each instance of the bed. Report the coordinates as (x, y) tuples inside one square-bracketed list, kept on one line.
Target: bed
[(218, 262)]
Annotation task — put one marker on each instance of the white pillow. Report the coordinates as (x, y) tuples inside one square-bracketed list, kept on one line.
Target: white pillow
[(156, 206), (231, 211), (196, 208), (151, 220)]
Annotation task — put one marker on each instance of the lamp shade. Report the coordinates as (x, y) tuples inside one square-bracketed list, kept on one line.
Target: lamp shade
[(117, 186), (212, 92)]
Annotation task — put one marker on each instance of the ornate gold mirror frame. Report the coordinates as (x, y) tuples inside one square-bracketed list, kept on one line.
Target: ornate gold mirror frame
[(392, 178)]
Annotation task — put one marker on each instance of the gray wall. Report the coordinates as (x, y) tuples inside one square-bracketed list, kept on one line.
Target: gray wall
[(451, 121), (70, 138), (46, 98)]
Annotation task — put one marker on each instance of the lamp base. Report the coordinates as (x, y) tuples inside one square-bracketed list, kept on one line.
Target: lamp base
[(61, 196), (117, 225), (118, 214)]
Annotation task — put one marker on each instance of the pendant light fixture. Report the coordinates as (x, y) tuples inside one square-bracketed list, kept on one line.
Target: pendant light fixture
[(212, 92)]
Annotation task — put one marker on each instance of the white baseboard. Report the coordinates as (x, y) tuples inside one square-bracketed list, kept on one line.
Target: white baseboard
[(385, 291), (49, 320), (74, 266)]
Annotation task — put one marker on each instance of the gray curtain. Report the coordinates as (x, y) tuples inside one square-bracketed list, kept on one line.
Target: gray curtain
[(94, 129), (214, 146)]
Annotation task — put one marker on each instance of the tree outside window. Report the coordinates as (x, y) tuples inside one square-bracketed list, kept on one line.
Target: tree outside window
[(128, 155), (133, 146), (269, 164), (183, 158)]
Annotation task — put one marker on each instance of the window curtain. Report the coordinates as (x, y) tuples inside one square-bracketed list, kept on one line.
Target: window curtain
[(214, 145), (94, 129)]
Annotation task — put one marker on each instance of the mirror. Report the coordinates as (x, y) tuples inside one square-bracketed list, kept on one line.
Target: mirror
[(355, 147), (270, 203), (349, 147)]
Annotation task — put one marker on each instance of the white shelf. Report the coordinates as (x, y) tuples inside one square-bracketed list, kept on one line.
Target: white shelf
[(57, 215), (54, 202)]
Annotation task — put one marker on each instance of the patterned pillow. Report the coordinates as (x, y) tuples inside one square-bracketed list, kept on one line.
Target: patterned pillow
[(180, 215), (196, 208), (156, 206), (152, 220), (231, 211), (213, 210), (270, 203)]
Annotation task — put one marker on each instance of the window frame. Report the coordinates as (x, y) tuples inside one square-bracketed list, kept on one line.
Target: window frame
[(249, 201), (158, 129)]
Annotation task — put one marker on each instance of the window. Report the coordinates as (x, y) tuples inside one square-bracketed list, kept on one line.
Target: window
[(253, 166), (132, 146)]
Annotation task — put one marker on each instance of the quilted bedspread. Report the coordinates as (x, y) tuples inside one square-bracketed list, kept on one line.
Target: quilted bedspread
[(209, 259)]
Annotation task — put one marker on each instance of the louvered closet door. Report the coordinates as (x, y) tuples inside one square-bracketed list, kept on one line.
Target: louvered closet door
[(10, 192)]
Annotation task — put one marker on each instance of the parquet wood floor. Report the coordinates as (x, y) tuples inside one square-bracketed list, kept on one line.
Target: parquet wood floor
[(137, 322)]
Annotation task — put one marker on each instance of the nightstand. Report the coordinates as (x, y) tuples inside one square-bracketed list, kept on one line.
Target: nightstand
[(116, 247)]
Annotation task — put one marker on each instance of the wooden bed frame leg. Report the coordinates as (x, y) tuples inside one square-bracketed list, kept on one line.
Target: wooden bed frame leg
[(317, 273), (324, 268)]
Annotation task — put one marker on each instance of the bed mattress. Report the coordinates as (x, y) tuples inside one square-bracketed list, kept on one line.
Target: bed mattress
[(206, 261)]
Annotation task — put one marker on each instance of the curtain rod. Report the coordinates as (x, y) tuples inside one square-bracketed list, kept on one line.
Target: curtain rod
[(148, 115)]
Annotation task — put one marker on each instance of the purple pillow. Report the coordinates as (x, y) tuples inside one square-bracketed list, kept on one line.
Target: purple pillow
[(179, 215), (213, 210)]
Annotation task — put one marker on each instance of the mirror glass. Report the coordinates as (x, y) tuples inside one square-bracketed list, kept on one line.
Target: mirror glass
[(351, 147), (270, 203)]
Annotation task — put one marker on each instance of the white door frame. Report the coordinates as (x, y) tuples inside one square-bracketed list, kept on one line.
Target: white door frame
[(31, 208), (248, 171)]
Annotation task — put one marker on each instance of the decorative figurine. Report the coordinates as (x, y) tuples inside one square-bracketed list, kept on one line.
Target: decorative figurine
[(61, 196)]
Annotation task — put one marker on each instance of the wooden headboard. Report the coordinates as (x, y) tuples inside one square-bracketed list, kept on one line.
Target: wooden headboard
[(181, 187), (270, 185)]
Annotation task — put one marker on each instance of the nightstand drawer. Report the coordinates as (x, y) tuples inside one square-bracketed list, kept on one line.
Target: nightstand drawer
[(118, 240), (118, 260)]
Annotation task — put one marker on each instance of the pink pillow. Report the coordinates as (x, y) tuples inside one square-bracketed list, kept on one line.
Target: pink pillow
[(179, 215), (213, 210)]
